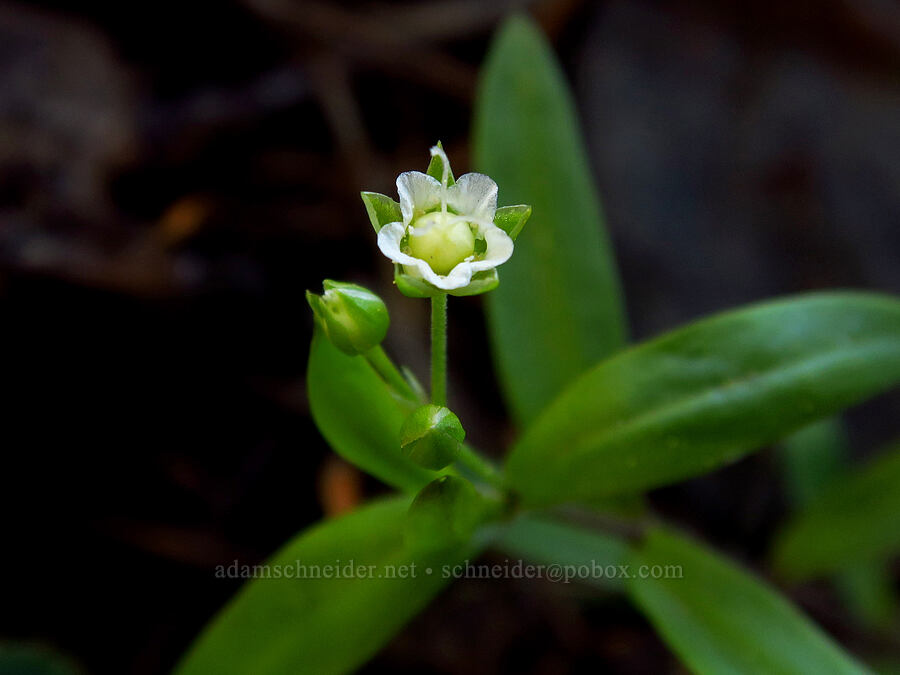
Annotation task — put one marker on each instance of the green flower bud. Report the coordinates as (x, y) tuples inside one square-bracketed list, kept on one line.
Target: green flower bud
[(354, 319), (445, 512), (431, 436)]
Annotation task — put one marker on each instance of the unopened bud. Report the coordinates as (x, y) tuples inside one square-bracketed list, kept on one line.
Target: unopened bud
[(446, 511), (354, 319), (431, 437)]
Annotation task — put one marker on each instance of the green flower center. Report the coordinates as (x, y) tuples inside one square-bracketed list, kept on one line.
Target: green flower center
[(442, 240)]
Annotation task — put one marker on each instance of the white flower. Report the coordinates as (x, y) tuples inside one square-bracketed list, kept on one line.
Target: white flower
[(448, 233)]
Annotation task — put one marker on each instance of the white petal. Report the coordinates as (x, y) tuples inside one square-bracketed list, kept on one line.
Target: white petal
[(474, 194), (438, 151), (389, 238), (418, 191), (459, 276), (499, 249)]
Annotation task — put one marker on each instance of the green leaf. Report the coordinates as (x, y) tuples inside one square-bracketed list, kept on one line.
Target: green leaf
[(359, 416), (511, 219), (706, 394), (855, 519), (436, 168), (558, 309), (867, 589), (811, 458), (381, 209), (886, 665), (282, 626), (719, 619), (545, 541), (34, 659)]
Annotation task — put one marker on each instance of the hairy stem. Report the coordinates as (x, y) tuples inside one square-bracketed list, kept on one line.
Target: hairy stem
[(467, 458), (439, 349)]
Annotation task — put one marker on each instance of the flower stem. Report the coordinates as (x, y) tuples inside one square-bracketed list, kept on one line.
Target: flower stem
[(467, 458), (389, 373), (439, 349)]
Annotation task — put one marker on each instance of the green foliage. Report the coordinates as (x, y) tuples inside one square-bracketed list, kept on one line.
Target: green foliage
[(284, 626), (546, 541), (855, 519), (558, 309), (359, 415), (813, 458), (600, 426), (706, 394), (867, 589), (28, 659), (720, 619)]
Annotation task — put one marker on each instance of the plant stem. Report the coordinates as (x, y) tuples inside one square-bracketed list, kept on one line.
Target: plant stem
[(439, 349), (389, 373), (478, 466), (467, 458)]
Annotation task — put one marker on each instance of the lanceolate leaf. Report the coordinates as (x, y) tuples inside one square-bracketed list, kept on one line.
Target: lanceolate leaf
[(541, 540), (811, 458), (33, 659), (855, 519), (705, 395), (359, 416), (814, 458), (719, 619), (557, 309), (303, 622), (868, 591)]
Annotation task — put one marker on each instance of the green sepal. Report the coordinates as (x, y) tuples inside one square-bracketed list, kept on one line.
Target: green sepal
[(381, 209), (446, 511), (414, 287), (511, 219), (482, 282), (436, 168)]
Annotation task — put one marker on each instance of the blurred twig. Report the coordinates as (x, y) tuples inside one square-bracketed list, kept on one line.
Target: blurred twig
[(369, 40)]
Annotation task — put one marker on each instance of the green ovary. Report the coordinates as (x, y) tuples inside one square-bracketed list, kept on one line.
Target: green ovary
[(441, 240)]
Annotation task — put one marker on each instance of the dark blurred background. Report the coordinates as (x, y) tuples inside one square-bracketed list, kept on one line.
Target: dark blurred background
[(173, 176)]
